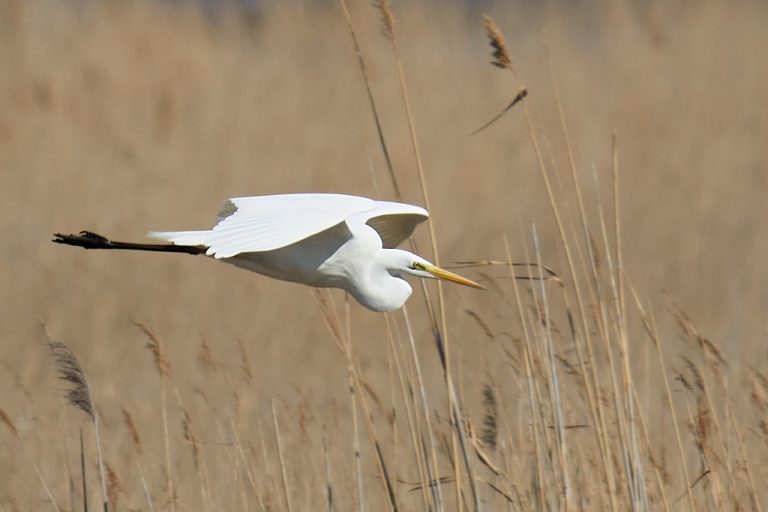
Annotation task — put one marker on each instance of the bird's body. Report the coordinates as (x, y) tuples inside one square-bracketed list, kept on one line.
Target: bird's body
[(321, 240)]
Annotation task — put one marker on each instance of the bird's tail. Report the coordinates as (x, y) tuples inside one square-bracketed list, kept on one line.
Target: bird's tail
[(193, 238), (88, 240)]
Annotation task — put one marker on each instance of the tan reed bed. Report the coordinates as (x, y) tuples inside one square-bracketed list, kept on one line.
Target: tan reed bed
[(565, 387)]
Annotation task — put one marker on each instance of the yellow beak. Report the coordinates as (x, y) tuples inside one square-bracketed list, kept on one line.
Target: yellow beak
[(450, 276)]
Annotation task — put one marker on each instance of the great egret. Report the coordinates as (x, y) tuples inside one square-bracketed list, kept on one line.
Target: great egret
[(322, 240)]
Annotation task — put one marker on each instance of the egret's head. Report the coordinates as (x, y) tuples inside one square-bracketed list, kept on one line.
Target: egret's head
[(418, 266)]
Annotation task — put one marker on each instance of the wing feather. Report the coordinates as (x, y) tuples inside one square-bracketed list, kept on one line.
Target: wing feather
[(394, 222), (266, 223)]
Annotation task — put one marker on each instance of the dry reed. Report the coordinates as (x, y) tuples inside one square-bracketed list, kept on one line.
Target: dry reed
[(558, 388)]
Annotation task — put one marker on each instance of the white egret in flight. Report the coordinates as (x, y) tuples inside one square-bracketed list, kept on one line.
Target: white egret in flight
[(322, 240)]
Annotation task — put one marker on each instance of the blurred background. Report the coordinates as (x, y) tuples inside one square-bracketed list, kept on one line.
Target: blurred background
[(125, 117)]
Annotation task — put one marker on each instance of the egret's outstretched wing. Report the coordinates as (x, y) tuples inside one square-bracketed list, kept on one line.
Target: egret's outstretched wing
[(267, 223), (394, 222)]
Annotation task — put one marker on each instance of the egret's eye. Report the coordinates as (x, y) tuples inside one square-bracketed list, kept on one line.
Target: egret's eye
[(417, 266)]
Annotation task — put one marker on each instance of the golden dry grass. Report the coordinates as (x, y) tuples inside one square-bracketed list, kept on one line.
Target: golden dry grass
[(125, 117)]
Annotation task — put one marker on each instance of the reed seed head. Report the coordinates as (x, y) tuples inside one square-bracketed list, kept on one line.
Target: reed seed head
[(133, 430), (6, 420), (501, 58), (245, 362), (490, 432), (758, 396), (154, 345), (189, 436), (71, 372), (205, 355), (387, 16), (114, 486), (480, 322)]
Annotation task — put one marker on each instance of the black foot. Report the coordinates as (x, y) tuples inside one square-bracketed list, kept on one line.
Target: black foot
[(85, 239)]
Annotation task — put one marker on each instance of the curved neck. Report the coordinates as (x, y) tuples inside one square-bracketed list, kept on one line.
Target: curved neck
[(378, 289)]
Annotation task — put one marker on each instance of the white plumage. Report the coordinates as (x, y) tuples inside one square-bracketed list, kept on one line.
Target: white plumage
[(266, 223), (323, 240)]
